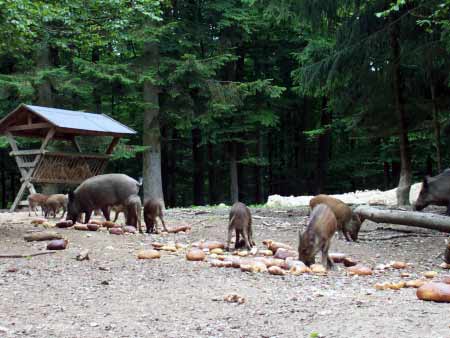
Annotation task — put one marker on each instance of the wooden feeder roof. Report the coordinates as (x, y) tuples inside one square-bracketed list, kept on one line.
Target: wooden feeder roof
[(34, 121)]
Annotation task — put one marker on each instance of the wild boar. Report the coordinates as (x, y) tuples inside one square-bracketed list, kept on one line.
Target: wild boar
[(347, 222), (322, 225), (56, 202), (35, 200), (100, 192), (435, 190), (240, 219), (153, 209), (133, 207)]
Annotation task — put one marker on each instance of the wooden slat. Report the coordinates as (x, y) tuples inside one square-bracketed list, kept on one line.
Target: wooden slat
[(56, 181), (78, 155), (21, 127), (28, 165)]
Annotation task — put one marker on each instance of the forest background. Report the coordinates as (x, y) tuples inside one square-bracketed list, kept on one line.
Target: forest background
[(240, 99)]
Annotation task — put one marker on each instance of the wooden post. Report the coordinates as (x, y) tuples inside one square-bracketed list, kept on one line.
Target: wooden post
[(112, 145), (26, 170), (76, 145)]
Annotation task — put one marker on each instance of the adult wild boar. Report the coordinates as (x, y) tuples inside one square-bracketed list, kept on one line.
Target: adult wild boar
[(100, 192), (347, 222), (317, 236), (435, 190)]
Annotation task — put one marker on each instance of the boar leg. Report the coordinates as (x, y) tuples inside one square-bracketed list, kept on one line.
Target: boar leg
[(105, 211), (326, 261), (230, 233), (87, 216), (139, 222), (236, 244), (163, 223), (345, 232), (245, 235), (116, 216)]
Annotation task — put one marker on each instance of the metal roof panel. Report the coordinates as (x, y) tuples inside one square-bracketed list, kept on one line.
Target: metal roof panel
[(71, 119)]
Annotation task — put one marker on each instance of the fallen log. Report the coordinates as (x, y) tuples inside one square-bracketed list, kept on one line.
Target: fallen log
[(410, 218)]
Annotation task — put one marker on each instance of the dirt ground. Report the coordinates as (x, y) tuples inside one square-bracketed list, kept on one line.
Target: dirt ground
[(116, 295)]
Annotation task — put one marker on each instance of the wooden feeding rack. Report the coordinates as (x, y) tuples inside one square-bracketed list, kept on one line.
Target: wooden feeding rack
[(58, 167)]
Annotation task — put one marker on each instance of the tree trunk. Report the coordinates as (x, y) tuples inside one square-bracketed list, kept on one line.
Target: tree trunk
[(198, 158), (404, 184), (151, 170), (240, 151), (45, 95), (411, 218), (3, 178), (234, 187), (436, 128), (387, 175), (171, 187), (212, 193), (323, 149), (95, 92), (259, 179)]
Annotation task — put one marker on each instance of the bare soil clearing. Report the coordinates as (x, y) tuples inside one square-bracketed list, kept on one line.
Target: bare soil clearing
[(116, 295)]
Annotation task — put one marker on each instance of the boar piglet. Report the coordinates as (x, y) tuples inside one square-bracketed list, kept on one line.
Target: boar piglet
[(347, 222), (240, 220), (133, 207), (100, 192), (35, 200), (152, 210), (317, 236), (56, 202), (435, 190)]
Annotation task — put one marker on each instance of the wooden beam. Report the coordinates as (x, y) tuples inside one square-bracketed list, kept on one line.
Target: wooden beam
[(14, 147), (19, 196), (26, 152), (112, 145), (47, 139), (76, 144), (32, 126)]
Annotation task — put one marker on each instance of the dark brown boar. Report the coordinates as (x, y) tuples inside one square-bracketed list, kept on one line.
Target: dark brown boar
[(322, 225), (240, 220), (35, 200), (100, 192), (436, 191), (54, 203), (152, 210), (347, 222)]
